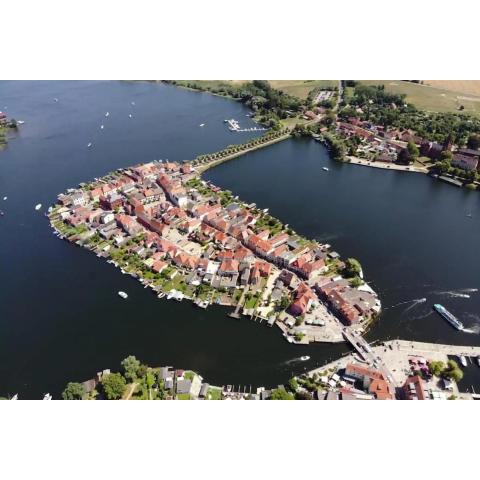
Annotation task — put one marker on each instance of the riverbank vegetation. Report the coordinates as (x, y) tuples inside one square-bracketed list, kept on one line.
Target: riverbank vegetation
[(268, 103), (242, 147), (450, 371)]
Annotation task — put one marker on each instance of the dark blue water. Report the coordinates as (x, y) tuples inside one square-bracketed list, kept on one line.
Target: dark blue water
[(410, 232), (60, 317)]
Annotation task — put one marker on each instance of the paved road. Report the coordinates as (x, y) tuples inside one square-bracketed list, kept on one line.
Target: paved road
[(366, 352)]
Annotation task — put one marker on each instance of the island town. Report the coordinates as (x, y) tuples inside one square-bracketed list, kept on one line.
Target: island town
[(185, 238)]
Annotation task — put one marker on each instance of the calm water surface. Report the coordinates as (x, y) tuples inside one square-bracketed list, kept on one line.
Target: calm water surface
[(60, 316)]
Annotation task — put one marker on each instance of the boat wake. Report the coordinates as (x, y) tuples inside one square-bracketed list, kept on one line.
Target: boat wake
[(460, 293), (475, 328), (293, 360), (413, 302)]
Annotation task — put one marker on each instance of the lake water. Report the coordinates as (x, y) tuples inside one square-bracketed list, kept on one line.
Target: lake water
[(60, 317)]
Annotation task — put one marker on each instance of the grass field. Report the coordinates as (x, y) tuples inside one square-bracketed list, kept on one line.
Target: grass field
[(301, 88), (465, 87), (430, 98), (297, 88)]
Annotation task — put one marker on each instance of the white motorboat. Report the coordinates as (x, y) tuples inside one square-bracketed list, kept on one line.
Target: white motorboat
[(463, 360), (325, 168), (101, 127), (15, 397), (89, 145), (132, 103), (123, 295), (107, 114), (129, 115), (304, 358), (38, 206), (202, 125), (20, 122), (47, 396), (5, 198), (478, 360)]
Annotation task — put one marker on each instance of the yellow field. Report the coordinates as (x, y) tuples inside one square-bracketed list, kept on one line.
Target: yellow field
[(466, 87), (301, 88), (431, 98)]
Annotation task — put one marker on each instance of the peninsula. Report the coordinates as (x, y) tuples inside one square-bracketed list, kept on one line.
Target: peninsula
[(184, 237)]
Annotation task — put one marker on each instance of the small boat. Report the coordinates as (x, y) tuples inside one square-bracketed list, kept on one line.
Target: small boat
[(2, 213), (107, 114), (304, 358), (129, 115), (47, 396), (20, 122), (132, 103), (463, 360), (469, 215), (15, 397), (325, 168), (38, 206), (478, 360), (55, 99), (5, 198), (123, 295), (202, 125), (89, 145), (101, 127)]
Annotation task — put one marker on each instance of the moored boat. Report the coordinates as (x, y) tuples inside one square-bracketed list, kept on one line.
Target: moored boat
[(463, 360)]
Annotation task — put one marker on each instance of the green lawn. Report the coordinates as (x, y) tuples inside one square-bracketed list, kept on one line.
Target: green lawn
[(430, 98), (183, 396), (214, 393)]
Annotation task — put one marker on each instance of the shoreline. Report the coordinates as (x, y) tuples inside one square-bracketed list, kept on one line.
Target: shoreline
[(77, 225), (385, 165)]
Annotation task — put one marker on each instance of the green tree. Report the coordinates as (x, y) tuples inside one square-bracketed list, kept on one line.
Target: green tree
[(413, 150), (281, 394), (446, 155), (436, 367), (73, 391), (293, 385), (453, 371), (131, 366), (113, 386), (352, 268), (474, 141)]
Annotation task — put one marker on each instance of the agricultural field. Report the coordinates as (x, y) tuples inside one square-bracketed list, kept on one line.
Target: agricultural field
[(465, 87), (431, 98), (301, 88)]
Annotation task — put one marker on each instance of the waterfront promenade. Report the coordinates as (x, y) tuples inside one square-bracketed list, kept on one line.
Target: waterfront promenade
[(386, 165)]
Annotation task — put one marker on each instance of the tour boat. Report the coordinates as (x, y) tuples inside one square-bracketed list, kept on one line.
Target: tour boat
[(325, 168), (304, 358), (463, 360), (451, 319), (123, 295), (89, 145), (107, 114), (38, 206)]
